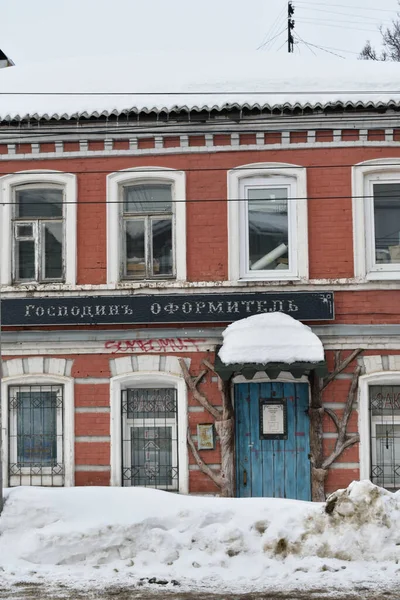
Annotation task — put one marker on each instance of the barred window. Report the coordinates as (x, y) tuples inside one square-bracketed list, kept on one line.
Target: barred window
[(36, 435), (150, 438), (385, 436)]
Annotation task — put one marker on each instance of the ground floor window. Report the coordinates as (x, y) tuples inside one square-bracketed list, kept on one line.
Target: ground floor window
[(150, 438), (35, 414), (384, 405)]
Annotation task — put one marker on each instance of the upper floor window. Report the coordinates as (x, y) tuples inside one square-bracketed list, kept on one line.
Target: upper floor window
[(148, 232), (38, 228), (146, 225), (38, 233), (376, 219), (268, 224)]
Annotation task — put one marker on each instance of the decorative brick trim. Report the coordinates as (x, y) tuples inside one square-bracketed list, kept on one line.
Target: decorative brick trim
[(146, 363), (37, 365), (161, 144)]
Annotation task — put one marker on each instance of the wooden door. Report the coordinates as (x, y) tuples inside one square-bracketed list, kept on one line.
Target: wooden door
[(272, 440)]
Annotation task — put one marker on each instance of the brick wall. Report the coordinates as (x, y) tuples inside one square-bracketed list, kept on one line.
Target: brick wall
[(330, 214)]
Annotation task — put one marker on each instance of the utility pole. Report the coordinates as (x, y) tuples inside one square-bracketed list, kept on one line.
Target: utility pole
[(290, 26)]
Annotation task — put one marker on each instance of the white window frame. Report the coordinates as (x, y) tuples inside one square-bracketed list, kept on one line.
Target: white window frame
[(150, 380), (364, 176), (45, 476), (68, 425), (267, 175), (364, 421), (115, 182), (171, 423), (7, 185)]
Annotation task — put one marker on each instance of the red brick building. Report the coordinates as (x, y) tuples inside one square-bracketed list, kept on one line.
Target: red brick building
[(130, 238)]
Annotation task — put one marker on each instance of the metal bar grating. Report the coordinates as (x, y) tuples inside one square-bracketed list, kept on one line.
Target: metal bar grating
[(35, 441), (384, 406), (150, 438)]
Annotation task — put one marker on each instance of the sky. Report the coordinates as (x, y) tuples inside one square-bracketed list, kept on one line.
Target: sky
[(42, 29)]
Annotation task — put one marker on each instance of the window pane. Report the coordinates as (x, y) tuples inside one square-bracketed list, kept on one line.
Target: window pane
[(53, 250), (268, 229), (152, 456), (148, 199), (24, 231), (36, 428), (135, 248), (387, 222), (388, 456), (162, 246), (25, 259), (39, 202)]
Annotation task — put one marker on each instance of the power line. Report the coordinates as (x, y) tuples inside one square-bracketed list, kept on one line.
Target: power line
[(333, 12), (272, 29), (347, 6), (311, 22), (324, 49), (272, 39), (305, 43), (214, 200), (203, 93), (197, 169)]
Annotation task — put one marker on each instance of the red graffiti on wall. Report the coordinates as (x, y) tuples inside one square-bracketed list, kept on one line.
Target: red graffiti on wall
[(156, 345)]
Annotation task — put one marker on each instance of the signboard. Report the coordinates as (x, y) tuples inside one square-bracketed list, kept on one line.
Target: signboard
[(273, 419), (179, 308)]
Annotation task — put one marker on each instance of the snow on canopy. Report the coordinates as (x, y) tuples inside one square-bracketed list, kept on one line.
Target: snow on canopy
[(185, 81), (270, 337)]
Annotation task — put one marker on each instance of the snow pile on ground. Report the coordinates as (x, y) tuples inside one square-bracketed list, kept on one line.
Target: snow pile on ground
[(270, 337), (96, 533)]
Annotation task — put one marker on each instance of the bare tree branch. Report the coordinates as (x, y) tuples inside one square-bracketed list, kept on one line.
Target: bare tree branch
[(227, 411), (201, 399), (334, 417), (339, 449), (326, 381), (215, 477)]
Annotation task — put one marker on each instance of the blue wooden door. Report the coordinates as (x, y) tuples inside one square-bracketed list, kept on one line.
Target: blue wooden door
[(270, 465)]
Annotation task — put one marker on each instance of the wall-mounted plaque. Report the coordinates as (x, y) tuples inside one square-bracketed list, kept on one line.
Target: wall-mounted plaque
[(273, 421), (205, 437)]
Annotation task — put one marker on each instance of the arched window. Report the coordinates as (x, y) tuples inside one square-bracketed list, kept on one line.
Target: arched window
[(38, 216), (148, 431), (379, 409), (146, 225), (267, 218)]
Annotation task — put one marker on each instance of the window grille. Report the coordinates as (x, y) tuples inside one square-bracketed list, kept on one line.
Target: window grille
[(150, 438), (384, 405), (35, 415)]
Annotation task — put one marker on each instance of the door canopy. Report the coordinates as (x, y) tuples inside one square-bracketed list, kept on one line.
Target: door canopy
[(270, 342)]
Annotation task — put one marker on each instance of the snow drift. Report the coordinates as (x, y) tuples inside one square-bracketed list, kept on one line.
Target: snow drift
[(270, 337), (69, 532)]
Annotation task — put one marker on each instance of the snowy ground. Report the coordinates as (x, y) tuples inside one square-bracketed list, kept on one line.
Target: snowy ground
[(146, 540)]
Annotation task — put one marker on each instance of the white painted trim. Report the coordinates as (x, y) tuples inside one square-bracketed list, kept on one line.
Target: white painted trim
[(145, 174), (363, 176), (120, 382), (68, 430), (250, 172), (7, 183), (383, 378)]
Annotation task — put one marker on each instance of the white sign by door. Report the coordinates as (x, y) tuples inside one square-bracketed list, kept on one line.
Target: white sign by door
[(273, 419)]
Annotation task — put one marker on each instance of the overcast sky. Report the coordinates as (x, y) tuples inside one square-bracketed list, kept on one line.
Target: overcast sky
[(40, 29)]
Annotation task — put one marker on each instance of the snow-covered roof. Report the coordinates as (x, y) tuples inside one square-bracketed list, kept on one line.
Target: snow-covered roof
[(114, 85), (270, 338)]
